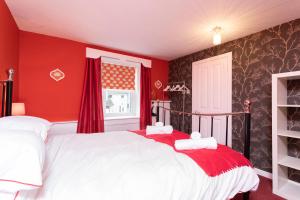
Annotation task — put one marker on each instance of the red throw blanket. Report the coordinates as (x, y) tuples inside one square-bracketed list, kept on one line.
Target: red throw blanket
[(213, 161)]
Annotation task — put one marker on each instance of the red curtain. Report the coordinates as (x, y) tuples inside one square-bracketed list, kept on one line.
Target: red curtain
[(145, 109), (91, 118)]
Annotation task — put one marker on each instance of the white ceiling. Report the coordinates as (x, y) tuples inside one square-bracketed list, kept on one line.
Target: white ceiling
[(164, 29)]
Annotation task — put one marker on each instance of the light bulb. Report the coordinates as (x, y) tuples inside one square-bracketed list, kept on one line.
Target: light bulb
[(217, 38)]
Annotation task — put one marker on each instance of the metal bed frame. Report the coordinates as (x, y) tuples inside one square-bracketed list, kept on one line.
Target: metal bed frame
[(247, 125), (7, 94)]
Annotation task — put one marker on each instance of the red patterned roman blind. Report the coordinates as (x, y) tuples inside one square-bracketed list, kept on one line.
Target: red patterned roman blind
[(118, 77)]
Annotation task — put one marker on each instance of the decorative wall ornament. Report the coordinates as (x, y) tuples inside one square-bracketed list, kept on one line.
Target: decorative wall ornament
[(57, 74), (158, 84)]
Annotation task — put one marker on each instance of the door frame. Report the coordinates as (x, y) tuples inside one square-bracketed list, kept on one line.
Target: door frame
[(229, 102)]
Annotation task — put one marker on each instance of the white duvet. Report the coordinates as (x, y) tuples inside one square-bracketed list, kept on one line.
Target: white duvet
[(126, 166)]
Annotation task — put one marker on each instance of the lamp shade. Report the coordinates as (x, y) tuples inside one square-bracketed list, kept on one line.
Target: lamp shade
[(18, 109)]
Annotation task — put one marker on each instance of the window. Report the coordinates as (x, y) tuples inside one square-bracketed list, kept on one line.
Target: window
[(120, 89), (119, 103)]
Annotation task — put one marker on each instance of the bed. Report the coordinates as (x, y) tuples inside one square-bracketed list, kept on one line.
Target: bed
[(131, 166), (124, 165)]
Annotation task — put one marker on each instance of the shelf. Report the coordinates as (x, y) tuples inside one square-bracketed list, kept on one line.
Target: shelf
[(288, 75), (290, 162), (290, 190), (282, 186), (288, 106), (287, 133)]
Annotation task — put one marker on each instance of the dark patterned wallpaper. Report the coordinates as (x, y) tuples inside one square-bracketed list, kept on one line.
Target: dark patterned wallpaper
[(255, 58)]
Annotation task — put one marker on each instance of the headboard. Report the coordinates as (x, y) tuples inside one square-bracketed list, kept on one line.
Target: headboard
[(6, 87)]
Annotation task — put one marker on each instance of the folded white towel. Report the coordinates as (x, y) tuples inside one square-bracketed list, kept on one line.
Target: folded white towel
[(159, 124), (196, 135), (203, 143), (159, 130)]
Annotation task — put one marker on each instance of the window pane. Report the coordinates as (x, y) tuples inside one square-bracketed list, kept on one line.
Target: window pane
[(117, 102)]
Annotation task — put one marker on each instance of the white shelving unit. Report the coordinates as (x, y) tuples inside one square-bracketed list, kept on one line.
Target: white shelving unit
[(287, 106), (282, 186)]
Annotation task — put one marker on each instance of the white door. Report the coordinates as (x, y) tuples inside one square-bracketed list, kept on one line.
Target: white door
[(212, 93)]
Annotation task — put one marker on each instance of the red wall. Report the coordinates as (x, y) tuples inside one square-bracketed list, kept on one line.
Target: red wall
[(9, 45), (160, 71), (59, 101)]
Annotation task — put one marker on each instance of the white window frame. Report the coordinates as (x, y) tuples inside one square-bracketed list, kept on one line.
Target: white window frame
[(137, 88)]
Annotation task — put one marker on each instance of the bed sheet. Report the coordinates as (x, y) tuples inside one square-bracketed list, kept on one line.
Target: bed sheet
[(123, 165)]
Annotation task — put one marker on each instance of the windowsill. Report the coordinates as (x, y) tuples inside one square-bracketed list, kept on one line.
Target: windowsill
[(161, 101), (120, 117)]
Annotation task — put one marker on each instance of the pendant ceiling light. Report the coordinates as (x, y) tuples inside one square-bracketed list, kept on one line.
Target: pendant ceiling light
[(217, 38)]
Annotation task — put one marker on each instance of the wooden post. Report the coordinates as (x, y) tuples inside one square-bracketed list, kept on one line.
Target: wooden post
[(212, 126), (247, 129), (8, 101), (3, 99), (164, 116), (199, 127), (157, 112), (226, 139)]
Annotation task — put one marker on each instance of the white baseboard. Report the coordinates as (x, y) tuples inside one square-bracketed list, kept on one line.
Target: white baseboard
[(263, 173)]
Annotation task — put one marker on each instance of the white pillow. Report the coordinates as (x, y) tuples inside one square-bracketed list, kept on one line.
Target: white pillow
[(22, 156), (8, 195), (27, 123)]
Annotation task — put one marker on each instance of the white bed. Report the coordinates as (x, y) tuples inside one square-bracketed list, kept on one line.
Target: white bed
[(126, 166)]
